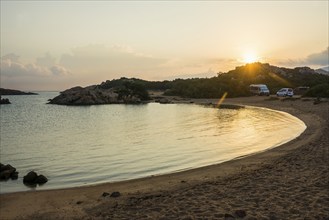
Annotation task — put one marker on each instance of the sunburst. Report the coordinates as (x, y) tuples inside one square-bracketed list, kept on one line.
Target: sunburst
[(250, 57)]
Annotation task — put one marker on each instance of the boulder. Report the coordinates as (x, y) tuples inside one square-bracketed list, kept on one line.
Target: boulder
[(7, 171), (41, 179), (5, 175), (14, 176), (7, 167), (30, 177)]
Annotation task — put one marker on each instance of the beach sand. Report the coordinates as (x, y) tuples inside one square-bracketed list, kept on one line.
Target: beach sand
[(287, 182)]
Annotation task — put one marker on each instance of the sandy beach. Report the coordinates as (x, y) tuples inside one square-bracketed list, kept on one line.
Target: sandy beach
[(287, 182)]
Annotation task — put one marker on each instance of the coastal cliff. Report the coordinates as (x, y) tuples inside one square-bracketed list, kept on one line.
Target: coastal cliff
[(124, 90)]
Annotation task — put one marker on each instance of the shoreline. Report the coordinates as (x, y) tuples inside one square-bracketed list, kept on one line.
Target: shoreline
[(150, 197), (223, 106)]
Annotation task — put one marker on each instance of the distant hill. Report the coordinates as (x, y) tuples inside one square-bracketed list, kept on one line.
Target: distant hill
[(326, 68), (323, 70), (14, 92), (235, 83)]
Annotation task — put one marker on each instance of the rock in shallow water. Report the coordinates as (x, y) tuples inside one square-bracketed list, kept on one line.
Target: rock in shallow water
[(7, 171), (32, 178), (14, 176), (4, 101), (41, 179)]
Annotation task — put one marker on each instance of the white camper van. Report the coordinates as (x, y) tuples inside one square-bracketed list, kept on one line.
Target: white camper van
[(259, 89)]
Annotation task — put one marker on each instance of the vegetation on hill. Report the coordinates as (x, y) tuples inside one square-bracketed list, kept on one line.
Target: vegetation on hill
[(127, 87), (236, 82), (128, 91)]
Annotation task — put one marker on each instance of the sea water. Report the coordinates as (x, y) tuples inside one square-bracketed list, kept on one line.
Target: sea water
[(83, 145)]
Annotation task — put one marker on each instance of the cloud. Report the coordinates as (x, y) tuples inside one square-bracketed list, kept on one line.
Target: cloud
[(95, 63), (321, 58), (115, 60), (314, 60), (92, 64), (15, 68), (11, 66), (59, 70), (39, 75), (12, 57), (47, 60)]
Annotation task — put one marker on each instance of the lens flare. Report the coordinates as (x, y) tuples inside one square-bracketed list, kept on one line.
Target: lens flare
[(221, 100)]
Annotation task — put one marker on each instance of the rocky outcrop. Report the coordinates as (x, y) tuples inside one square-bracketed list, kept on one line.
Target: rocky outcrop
[(7, 172), (4, 101), (124, 91), (32, 178)]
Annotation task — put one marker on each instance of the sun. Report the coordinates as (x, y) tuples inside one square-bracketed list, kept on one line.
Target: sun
[(250, 58)]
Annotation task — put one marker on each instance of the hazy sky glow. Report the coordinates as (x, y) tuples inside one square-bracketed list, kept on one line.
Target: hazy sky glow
[(54, 45)]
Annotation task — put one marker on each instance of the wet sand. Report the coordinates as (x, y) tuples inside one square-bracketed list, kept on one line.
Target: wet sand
[(287, 182)]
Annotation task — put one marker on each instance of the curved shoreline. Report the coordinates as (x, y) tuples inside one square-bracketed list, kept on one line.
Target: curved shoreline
[(87, 201), (262, 144)]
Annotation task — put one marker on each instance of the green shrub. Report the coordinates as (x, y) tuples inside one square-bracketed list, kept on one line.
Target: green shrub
[(321, 90)]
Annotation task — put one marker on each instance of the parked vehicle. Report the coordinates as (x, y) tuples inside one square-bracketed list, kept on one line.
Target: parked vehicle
[(301, 90), (259, 89), (285, 92)]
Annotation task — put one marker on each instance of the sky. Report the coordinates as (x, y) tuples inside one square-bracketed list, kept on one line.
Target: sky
[(55, 45)]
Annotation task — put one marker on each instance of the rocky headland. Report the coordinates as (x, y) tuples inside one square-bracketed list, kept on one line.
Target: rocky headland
[(125, 91), (15, 92)]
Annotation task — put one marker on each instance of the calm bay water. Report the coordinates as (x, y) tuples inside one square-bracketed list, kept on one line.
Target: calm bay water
[(79, 145)]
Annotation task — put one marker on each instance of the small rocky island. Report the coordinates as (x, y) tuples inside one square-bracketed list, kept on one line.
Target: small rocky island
[(4, 101), (127, 91)]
